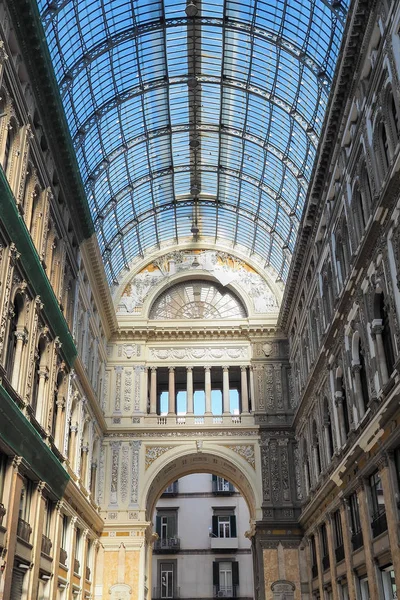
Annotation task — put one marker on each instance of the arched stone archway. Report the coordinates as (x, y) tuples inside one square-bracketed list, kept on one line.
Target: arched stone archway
[(217, 461)]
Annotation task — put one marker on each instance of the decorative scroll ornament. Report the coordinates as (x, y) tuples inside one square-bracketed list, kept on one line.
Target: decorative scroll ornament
[(246, 452), (154, 452), (199, 353)]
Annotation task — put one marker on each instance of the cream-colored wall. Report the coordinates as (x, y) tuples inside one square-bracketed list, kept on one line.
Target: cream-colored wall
[(195, 505)]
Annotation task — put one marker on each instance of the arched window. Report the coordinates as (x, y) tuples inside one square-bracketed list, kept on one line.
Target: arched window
[(12, 338), (307, 473), (38, 364), (384, 146), (360, 375), (316, 449), (383, 315), (328, 430), (7, 151), (394, 116)]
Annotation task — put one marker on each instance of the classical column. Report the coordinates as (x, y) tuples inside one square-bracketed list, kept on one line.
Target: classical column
[(376, 332), (58, 528), (366, 531), (391, 512), (225, 390), (348, 550), (252, 397), (356, 368), (74, 434), (245, 392), (58, 430), (171, 391), (43, 377), (153, 391), (207, 387), (21, 337), (342, 427), (316, 460), (37, 521), (189, 391), (319, 563), (84, 460), (332, 557), (13, 483), (144, 381)]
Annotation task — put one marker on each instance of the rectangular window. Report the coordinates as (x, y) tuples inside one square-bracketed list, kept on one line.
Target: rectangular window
[(388, 583), (344, 592), (221, 485), (314, 565), (357, 537), (225, 579), (364, 588), (324, 547), (224, 525), (167, 529), (378, 523), (167, 579), (338, 535)]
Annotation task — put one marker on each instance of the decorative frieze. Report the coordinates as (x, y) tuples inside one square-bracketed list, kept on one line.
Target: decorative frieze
[(115, 451), (154, 452), (118, 384), (128, 390), (135, 448), (246, 452), (275, 475), (101, 471), (136, 396), (200, 353), (124, 473)]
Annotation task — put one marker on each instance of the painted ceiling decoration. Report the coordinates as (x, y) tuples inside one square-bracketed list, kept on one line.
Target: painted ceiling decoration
[(195, 120), (223, 270)]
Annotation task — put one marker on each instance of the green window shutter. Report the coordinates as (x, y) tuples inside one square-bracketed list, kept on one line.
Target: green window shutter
[(215, 573), (231, 488), (158, 525), (215, 526), (214, 478), (171, 526), (235, 573), (232, 519)]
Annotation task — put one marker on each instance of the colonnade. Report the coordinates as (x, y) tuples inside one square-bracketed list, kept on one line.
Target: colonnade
[(243, 384)]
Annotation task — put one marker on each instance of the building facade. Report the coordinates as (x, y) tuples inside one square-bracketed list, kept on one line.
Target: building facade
[(198, 359), (201, 550)]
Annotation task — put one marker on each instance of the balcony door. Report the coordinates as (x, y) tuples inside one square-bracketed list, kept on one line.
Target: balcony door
[(167, 580)]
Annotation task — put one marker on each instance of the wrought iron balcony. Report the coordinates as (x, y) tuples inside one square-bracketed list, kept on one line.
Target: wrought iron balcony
[(46, 545), (379, 524), (172, 544), (63, 557), (24, 530), (357, 540), (339, 553), (225, 591), (163, 593)]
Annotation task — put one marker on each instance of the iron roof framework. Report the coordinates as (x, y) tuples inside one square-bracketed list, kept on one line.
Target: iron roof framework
[(200, 127)]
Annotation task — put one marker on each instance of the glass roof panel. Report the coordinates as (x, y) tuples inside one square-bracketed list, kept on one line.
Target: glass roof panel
[(211, 118)]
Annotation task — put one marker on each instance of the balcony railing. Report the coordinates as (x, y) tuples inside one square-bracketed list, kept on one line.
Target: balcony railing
[(77, 566), (314, 571), (24, 530), (357, 540), (63, 557), (172, 544), (325, 562), (225, 591), (2, 513), (339, 553), (379, 524), (163, 593), (87, 574), (46, 545)]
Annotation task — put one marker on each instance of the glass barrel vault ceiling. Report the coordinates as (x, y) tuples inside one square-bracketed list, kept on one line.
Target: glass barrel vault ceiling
[(208, 121)]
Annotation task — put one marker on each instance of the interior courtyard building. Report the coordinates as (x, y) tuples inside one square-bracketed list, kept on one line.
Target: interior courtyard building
[(199, 274)]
